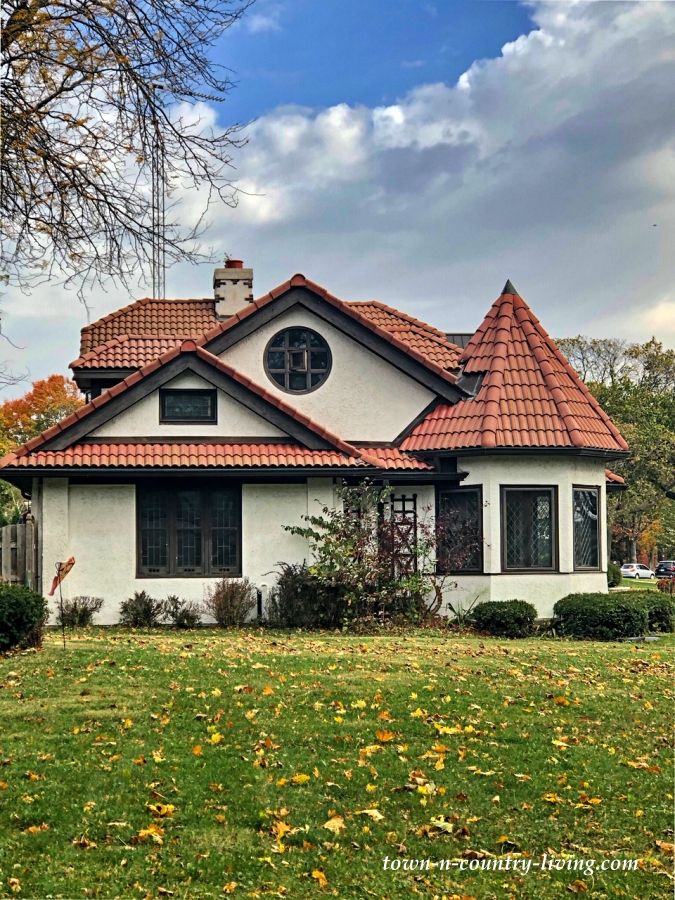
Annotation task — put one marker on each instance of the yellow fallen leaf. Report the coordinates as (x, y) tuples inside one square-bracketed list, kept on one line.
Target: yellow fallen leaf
[(35, 829), (372, 813), (320, 877), (230, 887), (336, 824), (161, 810), (197, 750), (217, 738), (300, 778)]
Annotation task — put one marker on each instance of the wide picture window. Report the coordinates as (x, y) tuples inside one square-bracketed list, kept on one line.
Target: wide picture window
[(529, 528), (298, 360), (586, 528), (188, 532)]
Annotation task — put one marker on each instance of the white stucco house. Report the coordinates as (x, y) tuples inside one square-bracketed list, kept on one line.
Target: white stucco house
[(212, 423)]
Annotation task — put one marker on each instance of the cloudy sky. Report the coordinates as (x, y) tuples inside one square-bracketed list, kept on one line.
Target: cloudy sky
[(423, 153)]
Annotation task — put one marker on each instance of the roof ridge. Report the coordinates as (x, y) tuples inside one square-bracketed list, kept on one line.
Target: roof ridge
[(496, 378)]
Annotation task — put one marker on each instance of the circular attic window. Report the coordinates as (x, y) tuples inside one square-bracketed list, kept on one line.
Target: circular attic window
[(298, 360)]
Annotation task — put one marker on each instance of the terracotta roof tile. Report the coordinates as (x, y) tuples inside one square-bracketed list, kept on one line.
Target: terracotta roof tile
[(530, 396), (613, 478), (151, 317), (127, 351), (201, 455)]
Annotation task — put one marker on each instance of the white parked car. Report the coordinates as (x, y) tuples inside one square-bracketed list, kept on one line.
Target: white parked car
[(636, 570)]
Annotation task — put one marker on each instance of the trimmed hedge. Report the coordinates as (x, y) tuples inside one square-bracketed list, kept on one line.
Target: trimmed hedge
[(601, 617), (505, 618), (614, 576), (660, 610), (23, 616)]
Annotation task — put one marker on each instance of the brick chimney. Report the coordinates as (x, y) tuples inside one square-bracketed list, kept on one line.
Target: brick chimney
[(232, 288)]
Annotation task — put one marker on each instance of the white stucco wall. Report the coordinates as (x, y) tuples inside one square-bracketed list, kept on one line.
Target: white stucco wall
[(142, 419), (97, 525), (364, 398)]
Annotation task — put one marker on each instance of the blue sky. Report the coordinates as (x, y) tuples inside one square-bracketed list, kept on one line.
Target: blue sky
[(322, 52), (422, 153)]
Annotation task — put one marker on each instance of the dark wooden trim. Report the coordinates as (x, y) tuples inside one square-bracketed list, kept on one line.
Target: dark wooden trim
[(183, 439), (314, 303), (160, 377), (476, 488), (555, 524), (172, 570), (420, 417), (598, 494), (164, 393)]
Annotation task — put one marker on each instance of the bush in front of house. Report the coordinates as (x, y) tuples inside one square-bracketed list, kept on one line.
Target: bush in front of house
[(504, 618), (230, 601), (78, 611), (23, 616), (601, 617), (666, 586), (141, 611), (660, 610), (614, 577), (181, 613), (302, 600)]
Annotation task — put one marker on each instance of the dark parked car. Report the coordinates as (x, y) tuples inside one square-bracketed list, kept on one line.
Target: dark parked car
[(666, 569)]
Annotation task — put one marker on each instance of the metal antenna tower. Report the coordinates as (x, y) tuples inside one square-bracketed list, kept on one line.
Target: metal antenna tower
[(158, 204)]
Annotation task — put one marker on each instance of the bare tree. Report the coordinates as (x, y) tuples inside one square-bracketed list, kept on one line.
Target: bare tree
[(91, 89)]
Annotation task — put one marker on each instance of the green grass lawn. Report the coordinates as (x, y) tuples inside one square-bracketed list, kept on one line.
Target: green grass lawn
[(639, 584), (277, 765)]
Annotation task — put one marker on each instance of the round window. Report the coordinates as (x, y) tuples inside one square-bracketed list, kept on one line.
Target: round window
[(298, 360)]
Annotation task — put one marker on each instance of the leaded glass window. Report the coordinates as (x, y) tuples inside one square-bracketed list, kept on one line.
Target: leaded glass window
[(187, 406), (529, 528), (586, 528), (189, 531), (460, 532)]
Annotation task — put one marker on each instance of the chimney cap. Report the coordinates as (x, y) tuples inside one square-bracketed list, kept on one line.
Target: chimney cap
[(234, 264)]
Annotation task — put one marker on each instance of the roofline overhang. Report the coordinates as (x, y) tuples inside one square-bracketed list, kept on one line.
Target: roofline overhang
[(522, 451)]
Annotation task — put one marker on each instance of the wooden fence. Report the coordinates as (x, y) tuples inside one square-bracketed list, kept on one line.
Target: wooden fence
[(18, 553)]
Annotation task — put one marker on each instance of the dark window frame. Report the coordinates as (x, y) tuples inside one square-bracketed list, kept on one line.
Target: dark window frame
[(480, 569), (290, 366), (552, 489), (165, 393), (170, 491), (596, 490)]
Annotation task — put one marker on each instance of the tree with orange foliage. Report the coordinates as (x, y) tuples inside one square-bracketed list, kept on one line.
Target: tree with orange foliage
[(47, 402)]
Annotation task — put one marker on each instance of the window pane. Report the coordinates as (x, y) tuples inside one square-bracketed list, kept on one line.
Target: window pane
[(188, 405), (586, 550), (276, 359), (297, 381), (459, 531), (154, 530), (188, 529), (319, 359), (298, 359), (296, 338), (224, 529), (529, 529)]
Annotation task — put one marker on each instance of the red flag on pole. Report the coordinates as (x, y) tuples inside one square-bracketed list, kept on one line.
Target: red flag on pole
[(62, 570)]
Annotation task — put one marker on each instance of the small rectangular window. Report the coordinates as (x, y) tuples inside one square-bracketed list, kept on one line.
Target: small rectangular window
[(187, 406), (529, 528), (459, 524), (586, 528)]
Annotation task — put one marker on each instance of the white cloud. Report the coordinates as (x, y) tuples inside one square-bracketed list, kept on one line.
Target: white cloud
[(549, 164)]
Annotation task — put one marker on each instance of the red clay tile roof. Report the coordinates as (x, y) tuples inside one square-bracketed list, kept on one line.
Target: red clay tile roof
[(179, 454), (129, 337), (126, 352), (613, 478), (151, 317), (529, 397), (428, 341), (299, 280)]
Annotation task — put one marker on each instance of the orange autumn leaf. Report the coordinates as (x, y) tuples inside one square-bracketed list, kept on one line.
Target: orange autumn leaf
[(320, 877), (383, 736)]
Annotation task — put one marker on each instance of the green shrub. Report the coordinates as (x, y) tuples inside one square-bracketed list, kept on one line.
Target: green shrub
[(506, 618), (141, 611), (181, 613), (660, 610), (230, 601), (301, 600), (23, 616), (614, 577), (601, 617), (78, 611)]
